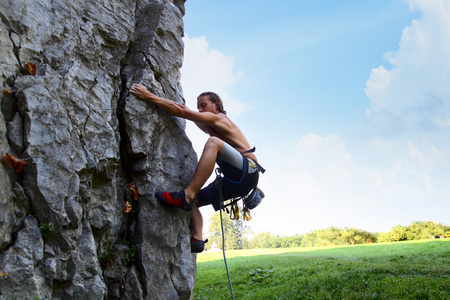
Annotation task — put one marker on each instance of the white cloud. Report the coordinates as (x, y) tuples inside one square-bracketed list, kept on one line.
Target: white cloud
[(408, 117), (412, 100), (205, 69), (402, 164), (416, 89), (205, 66), (318, 185), (321, 185), (324, 155), (377, 86)]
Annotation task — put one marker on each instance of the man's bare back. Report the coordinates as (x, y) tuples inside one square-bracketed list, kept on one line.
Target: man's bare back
[(230, 133)]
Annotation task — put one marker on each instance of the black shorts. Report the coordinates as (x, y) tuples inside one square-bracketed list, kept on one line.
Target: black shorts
[(240, 177)]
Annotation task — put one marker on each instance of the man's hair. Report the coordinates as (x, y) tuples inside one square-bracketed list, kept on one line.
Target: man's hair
[(214, 98)]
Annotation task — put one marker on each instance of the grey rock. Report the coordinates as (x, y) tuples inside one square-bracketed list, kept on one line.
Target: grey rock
[(63, 232)]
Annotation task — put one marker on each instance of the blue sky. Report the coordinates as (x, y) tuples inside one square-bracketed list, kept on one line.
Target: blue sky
[(347, 103)]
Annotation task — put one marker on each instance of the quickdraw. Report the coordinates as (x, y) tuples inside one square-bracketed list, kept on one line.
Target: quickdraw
[(234, 213), (247, 216)]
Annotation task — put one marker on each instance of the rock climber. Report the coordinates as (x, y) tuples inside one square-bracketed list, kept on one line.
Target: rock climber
[(227, 146)]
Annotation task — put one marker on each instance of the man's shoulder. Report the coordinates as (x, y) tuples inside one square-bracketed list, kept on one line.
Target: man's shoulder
[(224, 120)]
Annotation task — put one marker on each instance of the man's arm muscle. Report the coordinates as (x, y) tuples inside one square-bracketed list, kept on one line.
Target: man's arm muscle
[(174, 108)]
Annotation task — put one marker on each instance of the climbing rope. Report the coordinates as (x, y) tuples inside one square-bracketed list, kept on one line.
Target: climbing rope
[(224, 258)]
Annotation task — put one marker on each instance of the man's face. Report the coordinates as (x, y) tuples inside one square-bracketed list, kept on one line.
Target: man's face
[(204, 104)]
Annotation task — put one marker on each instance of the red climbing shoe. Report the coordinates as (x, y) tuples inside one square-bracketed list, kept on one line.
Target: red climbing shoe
[(175, 199), (197, 246)]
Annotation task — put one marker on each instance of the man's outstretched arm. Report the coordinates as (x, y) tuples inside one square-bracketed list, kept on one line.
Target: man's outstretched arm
[(170, 106), (173, 107)]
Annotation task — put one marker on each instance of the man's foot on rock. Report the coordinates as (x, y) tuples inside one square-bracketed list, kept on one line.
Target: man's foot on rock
[(197, 246), (175, 199)]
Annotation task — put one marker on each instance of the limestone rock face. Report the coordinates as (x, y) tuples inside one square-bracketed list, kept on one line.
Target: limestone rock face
[(90, 147)]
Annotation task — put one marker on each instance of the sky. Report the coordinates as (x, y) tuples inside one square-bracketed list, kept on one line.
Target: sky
[(347, 103)]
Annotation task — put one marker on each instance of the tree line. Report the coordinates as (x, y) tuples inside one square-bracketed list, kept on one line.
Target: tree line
[(239, 236)]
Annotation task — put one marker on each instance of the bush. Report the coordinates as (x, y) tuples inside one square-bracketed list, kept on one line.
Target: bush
[(334, 236), (331, 236), (418, 230)]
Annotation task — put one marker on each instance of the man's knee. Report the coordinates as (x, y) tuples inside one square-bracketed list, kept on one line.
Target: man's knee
[(215, 143)]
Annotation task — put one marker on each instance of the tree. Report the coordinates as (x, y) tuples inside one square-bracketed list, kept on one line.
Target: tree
[(263, 240), (354, 236), (291, 241), (416, 231), (333, 236), (423, 230), (234, 231)]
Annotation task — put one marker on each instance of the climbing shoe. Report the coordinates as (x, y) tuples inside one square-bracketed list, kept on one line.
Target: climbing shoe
[(175, 199), (197, 246)]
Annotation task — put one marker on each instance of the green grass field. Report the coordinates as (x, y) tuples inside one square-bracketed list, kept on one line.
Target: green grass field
[(402, 270)]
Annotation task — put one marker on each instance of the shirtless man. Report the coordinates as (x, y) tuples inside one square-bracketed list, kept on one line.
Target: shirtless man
[(226, 145)]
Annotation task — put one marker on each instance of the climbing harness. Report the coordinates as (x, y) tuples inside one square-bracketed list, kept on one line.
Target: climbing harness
[(251, 200), (258, 166)]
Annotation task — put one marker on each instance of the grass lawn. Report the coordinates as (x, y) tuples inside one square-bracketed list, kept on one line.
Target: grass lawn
[(403, 270)]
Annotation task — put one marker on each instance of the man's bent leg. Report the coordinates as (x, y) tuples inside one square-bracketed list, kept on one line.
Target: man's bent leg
[(204, 168)]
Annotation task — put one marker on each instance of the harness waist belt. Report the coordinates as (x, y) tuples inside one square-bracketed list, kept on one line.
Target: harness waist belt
[(260, 168)]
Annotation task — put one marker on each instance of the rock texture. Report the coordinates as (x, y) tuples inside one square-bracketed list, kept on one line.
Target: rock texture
[(63, 231)]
